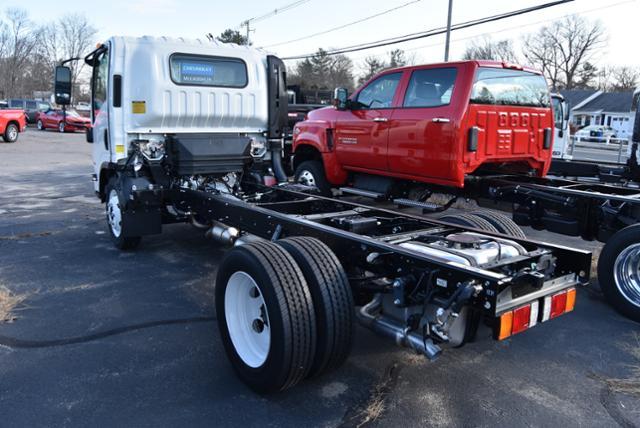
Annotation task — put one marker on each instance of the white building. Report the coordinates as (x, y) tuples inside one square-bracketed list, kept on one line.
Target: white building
[(613, 109)]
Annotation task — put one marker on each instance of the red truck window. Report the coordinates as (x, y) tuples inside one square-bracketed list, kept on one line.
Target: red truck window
[(509, 87), (379, 93), (430, 87)]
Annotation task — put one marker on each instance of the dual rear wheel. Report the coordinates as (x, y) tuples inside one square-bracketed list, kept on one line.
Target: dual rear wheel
[(285, 311)]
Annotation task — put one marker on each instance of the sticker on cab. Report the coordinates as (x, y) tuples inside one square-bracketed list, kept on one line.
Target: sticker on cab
[(138, 107)]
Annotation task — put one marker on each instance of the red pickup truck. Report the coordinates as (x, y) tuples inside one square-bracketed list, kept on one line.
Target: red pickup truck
[(12, 122), (432, 123)]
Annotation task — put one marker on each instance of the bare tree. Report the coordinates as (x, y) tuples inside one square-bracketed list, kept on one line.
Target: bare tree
[(501, 50), (19, 40), (625, 78), (76, 37), (561, 48)]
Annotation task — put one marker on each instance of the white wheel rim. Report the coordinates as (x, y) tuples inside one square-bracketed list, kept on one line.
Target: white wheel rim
[(114, 215), (307, 178), (61, 127), (626, 271), (247, 319), (13, 133), (39, 124)]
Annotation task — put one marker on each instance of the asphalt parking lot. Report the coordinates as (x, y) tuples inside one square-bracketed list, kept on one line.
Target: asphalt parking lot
[(99, 337)]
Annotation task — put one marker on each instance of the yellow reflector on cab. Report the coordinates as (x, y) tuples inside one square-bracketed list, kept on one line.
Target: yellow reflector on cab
[(506, 323), (571, 300)]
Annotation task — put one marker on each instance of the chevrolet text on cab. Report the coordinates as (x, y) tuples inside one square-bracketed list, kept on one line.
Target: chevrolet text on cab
[(433, 124)]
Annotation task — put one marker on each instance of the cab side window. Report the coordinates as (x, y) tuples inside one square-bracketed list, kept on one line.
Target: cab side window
[(430, 87), (379, 93), (100, 79)]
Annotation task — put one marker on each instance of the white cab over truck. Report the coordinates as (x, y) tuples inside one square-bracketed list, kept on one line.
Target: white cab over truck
[(210, 108)]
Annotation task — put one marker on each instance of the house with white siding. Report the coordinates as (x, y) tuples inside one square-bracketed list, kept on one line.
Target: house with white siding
[(589, 107)]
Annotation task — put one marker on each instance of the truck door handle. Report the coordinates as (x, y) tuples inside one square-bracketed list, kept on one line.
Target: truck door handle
[(381, 119), (441, 120)]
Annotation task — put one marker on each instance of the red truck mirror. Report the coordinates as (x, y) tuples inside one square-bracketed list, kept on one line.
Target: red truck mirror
[(340, 98), (62, 85)]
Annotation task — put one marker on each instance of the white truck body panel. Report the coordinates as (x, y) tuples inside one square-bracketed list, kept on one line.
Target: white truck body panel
[(153, 104), (174, 108)]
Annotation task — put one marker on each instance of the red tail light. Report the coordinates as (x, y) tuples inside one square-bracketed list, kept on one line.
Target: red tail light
[(521, 319), (558, 305)]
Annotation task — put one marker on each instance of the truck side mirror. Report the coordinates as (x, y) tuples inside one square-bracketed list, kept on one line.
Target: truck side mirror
[(62, 85), (340, 98)]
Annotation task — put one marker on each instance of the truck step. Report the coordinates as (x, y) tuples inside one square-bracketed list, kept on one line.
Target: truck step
[(426, 206), (361, 192)]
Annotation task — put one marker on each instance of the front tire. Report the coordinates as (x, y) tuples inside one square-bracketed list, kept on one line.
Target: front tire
[(61, 128), (266, 317), (11, 133), (311, 173), (40, 125), (619, 271), (115, 216)]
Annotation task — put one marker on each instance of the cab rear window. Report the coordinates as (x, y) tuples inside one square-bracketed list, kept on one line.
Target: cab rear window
[(509, 87), (196, 70)]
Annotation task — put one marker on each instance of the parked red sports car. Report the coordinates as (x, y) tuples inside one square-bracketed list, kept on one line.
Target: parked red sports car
[(55, 119)]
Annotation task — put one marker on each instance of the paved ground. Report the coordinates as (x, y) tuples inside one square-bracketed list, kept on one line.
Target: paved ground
[(130, 339)]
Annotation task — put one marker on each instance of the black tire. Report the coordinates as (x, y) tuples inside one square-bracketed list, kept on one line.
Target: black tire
[(311, 173), (289, 308), (469, 220), (623, 296), (118, 238), (11, 133), (501, 222), (61, 127), (332, 300), (40, 125)]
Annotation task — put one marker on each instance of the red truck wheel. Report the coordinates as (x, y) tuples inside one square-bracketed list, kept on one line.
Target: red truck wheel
[(10, 133), (311, 173)]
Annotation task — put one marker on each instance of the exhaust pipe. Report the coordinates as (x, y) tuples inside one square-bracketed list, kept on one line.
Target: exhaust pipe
[(276, 160), (370, 317), (222, 233)]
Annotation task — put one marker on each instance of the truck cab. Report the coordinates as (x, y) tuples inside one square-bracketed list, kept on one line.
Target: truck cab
[(432, 123), (170, 114)]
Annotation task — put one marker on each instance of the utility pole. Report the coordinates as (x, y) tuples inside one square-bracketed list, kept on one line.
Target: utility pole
[(247, 24), (448, 40)]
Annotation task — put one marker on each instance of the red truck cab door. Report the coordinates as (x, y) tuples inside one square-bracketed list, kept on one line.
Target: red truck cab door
[(362, 131), (422, 138)]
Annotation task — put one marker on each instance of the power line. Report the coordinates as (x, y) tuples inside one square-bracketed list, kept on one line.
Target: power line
[(247, 23), (432, 32), (275, 12), (340, 27), (544, 21), (502, 30)]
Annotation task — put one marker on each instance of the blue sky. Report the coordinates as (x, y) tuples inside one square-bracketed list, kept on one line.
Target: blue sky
[(193, 19)]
